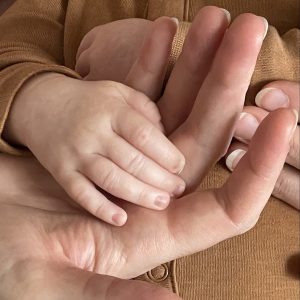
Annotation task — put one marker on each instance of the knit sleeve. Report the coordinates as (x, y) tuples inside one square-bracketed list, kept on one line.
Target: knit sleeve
[(279, 59), (31, 42)]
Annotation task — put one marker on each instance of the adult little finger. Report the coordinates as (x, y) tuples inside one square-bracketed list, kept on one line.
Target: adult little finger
[(287, 187)]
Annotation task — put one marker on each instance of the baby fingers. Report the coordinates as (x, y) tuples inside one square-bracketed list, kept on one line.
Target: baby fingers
[(115, 181), (141, 167), (99, 171), (148, 139), (84, 193)]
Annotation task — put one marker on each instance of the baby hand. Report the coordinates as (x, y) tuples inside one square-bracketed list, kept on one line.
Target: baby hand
[(104, 135), (123, 38)]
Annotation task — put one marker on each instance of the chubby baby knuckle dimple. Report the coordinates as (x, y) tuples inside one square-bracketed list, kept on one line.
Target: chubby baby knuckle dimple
[(142, 135), (88, 166)]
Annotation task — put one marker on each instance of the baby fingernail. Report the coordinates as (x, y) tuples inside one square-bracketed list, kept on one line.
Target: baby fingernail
[(246, 127), (234, 158), (227, 14), (119, 219), (162, 201), (272, 99)]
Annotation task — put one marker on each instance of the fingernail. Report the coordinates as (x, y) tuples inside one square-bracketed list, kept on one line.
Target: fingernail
[(227, 14), (246, 127), (296, 123), (176, 21), (179, 190), (272, 99), (179, 167), (234, 158), (266, 26), (119, 219), (162, 201)]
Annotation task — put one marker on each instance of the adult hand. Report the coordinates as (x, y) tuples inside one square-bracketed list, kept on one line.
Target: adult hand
[(273, 96), (92, 53), (188, 76), (151, 61), (49, 248)]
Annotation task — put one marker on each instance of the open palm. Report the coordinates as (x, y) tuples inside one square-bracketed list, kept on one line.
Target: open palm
[(51, 249)]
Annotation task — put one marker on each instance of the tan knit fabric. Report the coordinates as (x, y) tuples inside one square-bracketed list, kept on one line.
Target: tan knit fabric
[(40, 36)]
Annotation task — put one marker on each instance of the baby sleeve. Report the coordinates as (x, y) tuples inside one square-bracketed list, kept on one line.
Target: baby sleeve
[(31, 42)]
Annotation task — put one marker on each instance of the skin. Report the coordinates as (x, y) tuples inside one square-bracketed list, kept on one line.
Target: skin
[(71, 247), (177, 100), (287, 187), (175, 113), (101, 135), (51, 249), (115, 129), (44, 236)]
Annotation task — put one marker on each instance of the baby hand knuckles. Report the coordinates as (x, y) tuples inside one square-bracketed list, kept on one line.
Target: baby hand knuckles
[(136, 164), (141, 135), (109, 181)]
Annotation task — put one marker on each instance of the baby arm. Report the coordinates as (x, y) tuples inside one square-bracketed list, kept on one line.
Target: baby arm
[(88, 135)]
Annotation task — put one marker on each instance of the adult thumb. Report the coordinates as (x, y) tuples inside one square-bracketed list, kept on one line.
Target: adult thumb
[(53, 281)]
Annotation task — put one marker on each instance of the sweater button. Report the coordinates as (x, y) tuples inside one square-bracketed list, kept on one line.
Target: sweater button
[(159, 274)]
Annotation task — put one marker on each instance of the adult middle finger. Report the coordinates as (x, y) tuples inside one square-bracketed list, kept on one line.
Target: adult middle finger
[(209, 128), (194, 62)]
